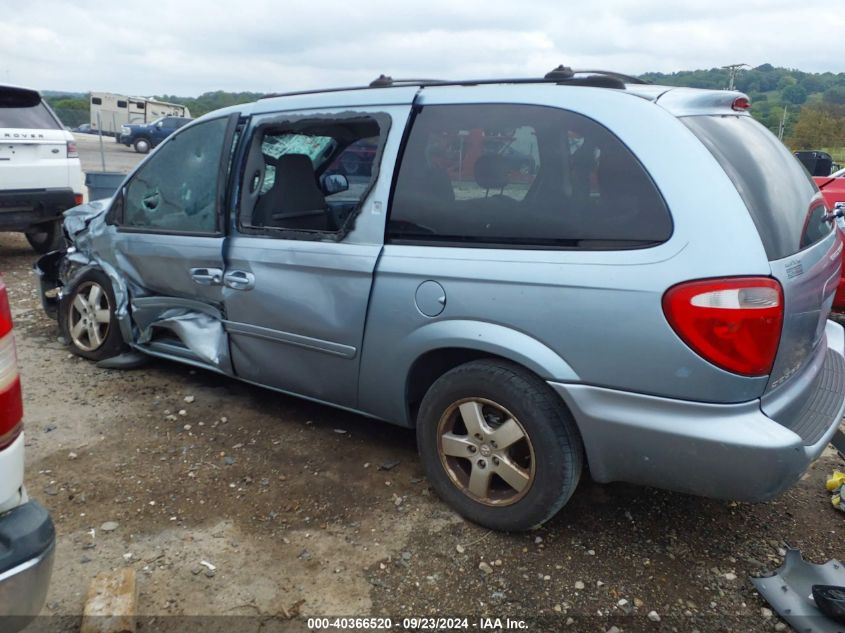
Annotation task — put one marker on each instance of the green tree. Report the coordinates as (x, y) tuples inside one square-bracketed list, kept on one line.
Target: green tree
[(794, 94), (817, 127), (835, 95)]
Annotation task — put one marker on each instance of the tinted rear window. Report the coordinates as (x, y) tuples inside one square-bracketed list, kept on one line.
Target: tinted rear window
[(22, 108), (776, 189), (522, 175)]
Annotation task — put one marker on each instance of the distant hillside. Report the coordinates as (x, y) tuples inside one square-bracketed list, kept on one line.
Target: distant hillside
[(209, 101), (771, 90)]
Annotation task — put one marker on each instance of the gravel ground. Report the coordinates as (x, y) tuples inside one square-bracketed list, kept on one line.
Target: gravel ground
[(305, 510)]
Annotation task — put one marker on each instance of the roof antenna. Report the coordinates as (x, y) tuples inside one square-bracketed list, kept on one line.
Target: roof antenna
[(382, 81), (561, 73)]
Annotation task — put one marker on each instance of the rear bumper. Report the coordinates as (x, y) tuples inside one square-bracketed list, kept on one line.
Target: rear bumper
[(23, 208), (27, 547), (722, 451)]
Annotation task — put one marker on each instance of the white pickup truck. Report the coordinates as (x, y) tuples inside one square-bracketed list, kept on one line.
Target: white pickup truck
[(40, 171)]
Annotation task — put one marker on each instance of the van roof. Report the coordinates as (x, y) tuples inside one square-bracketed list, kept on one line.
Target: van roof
[(678, 101)]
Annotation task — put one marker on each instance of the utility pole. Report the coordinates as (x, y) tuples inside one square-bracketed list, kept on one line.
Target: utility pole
[(782, 123), (733, 69)]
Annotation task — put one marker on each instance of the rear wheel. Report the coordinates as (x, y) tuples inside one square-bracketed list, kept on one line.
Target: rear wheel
[(46, 237), (142, 145), (498, 445), (87, 317)]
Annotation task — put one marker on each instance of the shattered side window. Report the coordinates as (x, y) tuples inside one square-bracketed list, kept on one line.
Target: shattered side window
[(176, 189), (311, 175)]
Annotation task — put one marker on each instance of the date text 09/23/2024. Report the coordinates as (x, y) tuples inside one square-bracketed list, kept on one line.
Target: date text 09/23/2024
[(416, 624)]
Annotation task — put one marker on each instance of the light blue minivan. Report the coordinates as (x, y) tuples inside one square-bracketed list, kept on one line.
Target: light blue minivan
[(538, 274)]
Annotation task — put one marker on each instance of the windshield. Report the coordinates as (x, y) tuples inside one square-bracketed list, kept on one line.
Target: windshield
[(779, 193)]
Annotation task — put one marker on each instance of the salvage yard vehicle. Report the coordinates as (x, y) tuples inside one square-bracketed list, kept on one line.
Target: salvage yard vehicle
[(145, 136), (482, 305), (40, 172), (833, 192), (27, 535)]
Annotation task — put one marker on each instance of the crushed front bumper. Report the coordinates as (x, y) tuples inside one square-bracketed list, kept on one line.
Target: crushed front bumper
[(726, 451), (27, 547)]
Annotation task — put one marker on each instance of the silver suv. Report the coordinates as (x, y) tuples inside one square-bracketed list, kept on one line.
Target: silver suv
[(538, 275)]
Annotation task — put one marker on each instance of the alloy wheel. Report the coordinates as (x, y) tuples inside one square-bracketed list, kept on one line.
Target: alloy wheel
[(89, 316), (486, 452)]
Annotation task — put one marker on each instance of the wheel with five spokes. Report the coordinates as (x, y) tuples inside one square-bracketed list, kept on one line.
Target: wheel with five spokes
[(87, 317), (499, 445)]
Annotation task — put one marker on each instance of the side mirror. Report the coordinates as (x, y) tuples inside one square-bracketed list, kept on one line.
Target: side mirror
[(160, 124), (335, 183)]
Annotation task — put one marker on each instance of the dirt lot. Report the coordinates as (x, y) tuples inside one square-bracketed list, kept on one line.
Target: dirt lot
[(306, 510)]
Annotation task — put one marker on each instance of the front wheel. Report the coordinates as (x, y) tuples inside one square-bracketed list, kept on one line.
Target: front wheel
[(46, 237), (142, 145), (498, 445), (87, 317)]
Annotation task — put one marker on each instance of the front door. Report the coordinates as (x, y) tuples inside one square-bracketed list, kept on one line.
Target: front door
[(299, 266), (169, 244)]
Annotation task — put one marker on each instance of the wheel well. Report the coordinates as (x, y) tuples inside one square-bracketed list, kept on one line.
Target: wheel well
[(429, 367)]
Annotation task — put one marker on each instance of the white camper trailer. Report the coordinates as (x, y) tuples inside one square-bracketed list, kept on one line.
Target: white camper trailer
[(115, 110)]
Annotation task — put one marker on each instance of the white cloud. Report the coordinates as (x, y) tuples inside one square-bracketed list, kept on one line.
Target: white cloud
[(190, 46)]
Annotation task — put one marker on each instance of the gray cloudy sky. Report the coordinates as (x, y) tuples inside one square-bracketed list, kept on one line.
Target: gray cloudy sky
[(187, 47)]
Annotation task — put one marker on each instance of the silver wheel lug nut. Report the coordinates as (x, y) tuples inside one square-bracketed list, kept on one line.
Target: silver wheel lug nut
[(471, 449), (482, 463), (495, 461)]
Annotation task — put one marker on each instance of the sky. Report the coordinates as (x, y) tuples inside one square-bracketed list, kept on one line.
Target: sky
[(188, 47)]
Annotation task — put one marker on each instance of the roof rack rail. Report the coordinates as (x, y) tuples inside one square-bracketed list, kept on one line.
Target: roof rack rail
[(560, 75)]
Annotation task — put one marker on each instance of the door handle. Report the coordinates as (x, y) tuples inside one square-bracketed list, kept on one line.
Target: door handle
[(207, 276), (239, 280)]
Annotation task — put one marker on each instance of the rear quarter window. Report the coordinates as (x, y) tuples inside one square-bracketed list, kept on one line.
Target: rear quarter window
[(522, 176), (779, 194)]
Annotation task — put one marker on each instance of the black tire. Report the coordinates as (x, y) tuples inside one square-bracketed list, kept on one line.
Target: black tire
[(108, 341), (142, 145), (46, 237), (553, 443)]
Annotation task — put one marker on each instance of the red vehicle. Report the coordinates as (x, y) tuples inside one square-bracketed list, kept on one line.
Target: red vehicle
[(833, 190)]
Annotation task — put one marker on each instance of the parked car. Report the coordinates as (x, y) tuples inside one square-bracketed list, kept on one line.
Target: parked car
[(27, 536), (85, 128), (40, 172), (833, 191), (145, 136), (649, 308)]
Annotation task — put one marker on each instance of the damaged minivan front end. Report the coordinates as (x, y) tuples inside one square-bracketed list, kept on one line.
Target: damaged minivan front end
[(128, 314)]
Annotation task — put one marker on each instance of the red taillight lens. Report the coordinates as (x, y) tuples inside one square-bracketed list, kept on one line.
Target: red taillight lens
[(72, 151), (734, 323), (11, 403), (741, 103), (77, 198)]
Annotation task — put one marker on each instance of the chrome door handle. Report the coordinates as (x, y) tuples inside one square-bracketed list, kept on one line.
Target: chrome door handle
[(207, 276), (239, 280)]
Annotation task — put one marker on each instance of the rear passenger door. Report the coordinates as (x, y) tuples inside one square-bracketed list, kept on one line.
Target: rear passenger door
[(305, 242)]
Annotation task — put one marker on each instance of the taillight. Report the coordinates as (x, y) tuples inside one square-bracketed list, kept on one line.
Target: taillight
[(734, 323), (11, 403), (741, 104), (77, 198), (72, 151)]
